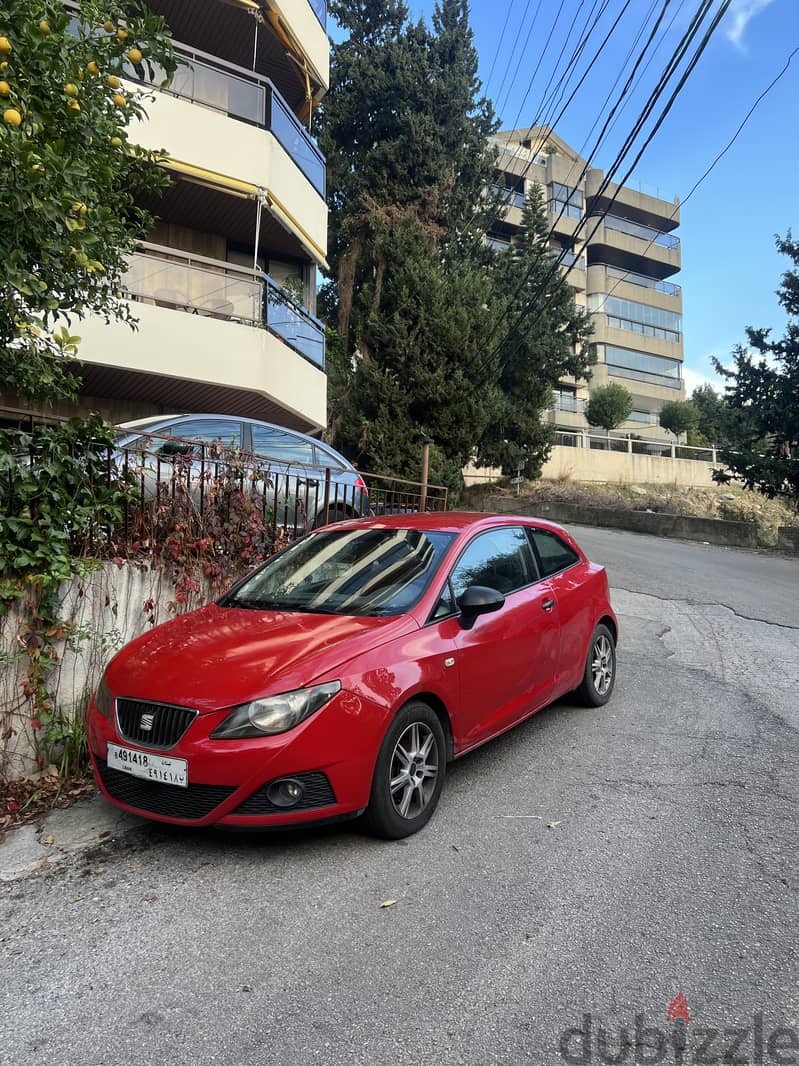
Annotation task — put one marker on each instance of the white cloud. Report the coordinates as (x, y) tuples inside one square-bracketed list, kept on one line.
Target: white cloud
[(695, 378), (740, 15)]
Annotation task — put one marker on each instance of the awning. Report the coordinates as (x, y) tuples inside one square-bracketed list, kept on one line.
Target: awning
[(248, 191)]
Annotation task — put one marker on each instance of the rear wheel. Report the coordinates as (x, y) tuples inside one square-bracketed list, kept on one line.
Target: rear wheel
[(600, 669), (409, 773), (334, 513)]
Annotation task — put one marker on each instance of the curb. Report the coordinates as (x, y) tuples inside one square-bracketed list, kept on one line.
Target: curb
[(63, 835)]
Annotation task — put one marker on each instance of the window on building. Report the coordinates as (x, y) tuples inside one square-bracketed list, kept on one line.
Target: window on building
[(638, 317), (565, 200), (640, 366)]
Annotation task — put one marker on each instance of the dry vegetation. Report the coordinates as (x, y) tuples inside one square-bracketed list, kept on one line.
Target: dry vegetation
[(728, 502)]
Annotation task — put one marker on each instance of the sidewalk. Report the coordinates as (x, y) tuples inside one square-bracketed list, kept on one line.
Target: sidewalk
[(61, 835)]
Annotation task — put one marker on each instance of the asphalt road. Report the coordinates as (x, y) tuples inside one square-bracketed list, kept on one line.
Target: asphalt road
[(589, 863)]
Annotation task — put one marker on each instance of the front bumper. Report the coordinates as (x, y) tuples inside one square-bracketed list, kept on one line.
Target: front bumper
[(332, 754)]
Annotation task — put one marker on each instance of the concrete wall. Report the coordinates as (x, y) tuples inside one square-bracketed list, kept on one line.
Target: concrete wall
[(111, 606), (594, 464), (710, 530), (788, 538)]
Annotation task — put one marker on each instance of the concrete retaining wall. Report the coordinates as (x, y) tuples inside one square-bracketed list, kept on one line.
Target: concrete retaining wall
[(596, 464), (788, 538), (711, 530)]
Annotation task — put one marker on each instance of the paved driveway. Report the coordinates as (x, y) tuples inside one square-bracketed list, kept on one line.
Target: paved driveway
[(581, 871)]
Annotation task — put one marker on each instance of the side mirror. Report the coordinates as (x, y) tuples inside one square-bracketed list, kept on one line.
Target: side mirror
[(477, 600)]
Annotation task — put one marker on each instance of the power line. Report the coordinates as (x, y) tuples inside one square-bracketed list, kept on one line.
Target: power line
[(499, 45)]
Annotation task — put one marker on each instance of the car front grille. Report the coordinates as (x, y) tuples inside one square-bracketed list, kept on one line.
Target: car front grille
[(172, 801), (317, 792), (156, 725)]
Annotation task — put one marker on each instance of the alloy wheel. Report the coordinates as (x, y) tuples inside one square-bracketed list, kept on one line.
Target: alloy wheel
[(602, 664), (414, 770)]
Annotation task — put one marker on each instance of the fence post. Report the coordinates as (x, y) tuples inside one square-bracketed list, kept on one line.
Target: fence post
[(674, 451), (629, 446), (327, 494), (713, 454)]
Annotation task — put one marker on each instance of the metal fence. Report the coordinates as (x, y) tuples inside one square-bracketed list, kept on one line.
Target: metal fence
[(659, 448), (206, 490)]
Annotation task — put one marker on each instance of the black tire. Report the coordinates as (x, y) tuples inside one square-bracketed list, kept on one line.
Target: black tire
[(384, 817), (599, 677)]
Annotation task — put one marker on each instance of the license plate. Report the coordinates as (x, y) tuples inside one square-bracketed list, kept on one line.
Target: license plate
[(148, 765)]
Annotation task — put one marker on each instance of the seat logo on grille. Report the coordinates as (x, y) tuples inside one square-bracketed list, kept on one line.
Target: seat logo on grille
[(146, 722)]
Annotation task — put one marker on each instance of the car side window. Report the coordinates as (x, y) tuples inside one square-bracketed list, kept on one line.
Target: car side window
[(446, 605), (500, 559), (207, 430), (274, 444), (555, 554)]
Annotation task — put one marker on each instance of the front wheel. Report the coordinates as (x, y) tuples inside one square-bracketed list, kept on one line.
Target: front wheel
[(409, 773), (600, 669)]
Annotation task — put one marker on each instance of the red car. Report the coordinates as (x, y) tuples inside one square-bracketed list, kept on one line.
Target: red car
[(340, 677)]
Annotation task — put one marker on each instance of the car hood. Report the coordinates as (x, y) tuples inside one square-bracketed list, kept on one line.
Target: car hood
[(218, 657)]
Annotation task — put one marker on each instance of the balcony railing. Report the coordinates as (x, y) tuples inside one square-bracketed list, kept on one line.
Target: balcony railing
[(500, 243), (244, 95), (632, 278), (574, 404), (643, 233), (173, 278), (509, 197)]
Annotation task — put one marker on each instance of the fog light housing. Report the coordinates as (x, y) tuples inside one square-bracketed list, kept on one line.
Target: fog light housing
[(285, 792)]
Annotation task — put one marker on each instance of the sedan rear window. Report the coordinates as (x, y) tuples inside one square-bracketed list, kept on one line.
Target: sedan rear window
[(347, 572)]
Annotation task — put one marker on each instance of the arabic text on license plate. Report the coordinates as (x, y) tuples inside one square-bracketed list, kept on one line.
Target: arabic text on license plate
[(148, 765)]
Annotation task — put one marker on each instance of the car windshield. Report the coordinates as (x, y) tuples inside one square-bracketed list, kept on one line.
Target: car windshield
[(347, 572)]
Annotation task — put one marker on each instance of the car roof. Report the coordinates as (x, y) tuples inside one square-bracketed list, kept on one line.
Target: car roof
[(452, 521)]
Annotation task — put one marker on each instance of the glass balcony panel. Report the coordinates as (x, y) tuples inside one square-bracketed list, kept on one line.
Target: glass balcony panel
[(222, 292), (320, 10), (297, 143), (289, 321), (644, 233), (632, 278)]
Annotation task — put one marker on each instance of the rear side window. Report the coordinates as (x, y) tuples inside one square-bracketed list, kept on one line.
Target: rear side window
[(275, 444), (554, 553)]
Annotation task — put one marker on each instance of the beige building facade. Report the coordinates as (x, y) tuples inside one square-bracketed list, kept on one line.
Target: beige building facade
[(619, 253), (224, 286)]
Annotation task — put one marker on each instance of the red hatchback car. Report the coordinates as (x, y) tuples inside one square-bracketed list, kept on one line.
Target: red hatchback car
[(340, 677)]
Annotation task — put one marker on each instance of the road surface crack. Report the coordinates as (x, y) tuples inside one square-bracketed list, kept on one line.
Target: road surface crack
[(705, 603)]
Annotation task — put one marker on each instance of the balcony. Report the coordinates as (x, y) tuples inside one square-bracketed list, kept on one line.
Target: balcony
[(319, 8), (630, 246), (631, 278), (244, 95), (573, 404), (171, 278)]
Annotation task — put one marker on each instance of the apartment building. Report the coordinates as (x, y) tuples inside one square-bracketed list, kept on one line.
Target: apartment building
[(224, 287), (619, 250)]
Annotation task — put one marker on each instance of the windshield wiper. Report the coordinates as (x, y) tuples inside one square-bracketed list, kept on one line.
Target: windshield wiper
[(276, 605)]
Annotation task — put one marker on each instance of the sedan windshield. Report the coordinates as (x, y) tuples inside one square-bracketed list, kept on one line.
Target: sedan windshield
[(348, 572)]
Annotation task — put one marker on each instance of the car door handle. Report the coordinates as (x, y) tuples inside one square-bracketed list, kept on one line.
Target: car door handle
[(547, 605)]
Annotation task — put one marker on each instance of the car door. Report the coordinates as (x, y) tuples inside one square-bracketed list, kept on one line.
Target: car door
[(163, 462), (507, 660), (564, 570), (293, 481)]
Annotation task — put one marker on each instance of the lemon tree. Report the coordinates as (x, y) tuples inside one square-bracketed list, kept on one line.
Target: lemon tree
[(71, 178)]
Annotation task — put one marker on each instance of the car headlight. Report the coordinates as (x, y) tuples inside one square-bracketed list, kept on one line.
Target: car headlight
[(275, 714), (103, 699)]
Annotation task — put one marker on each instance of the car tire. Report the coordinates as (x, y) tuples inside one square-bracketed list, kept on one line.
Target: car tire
[(414, 745), (599, 677)]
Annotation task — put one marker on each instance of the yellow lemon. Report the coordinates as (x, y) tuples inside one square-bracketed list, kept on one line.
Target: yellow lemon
[(70, 89), (119, 100), (92, 67), (5, 45), (116, 142), (12, 117), (5, 88), (112, 81), (122, 34), (37, 168), (73, 105), (109, 26), (135, 56), (44, 26)]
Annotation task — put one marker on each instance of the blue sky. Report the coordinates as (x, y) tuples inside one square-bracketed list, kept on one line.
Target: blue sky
[(730, 265)]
